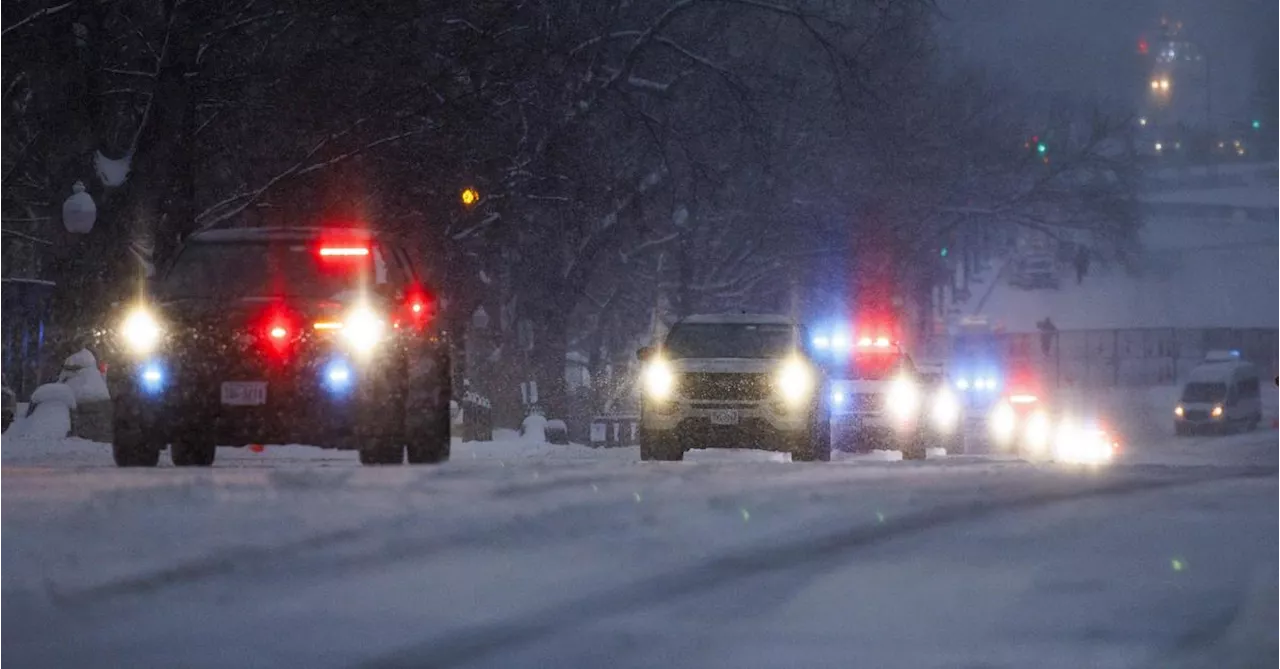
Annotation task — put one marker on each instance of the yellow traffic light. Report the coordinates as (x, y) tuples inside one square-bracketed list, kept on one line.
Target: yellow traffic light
[(470, 196)]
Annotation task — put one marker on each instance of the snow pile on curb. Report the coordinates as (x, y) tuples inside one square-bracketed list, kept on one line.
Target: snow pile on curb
[(534, 428), (50, 416), (80, 373)]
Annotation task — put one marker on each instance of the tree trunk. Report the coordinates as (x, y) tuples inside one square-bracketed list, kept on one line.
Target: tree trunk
[(549, 363)]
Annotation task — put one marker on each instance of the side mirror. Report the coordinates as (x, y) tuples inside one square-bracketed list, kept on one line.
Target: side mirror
[(644, 353)]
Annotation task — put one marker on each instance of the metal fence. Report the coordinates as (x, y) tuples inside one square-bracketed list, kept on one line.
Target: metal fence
[(1132, 357)]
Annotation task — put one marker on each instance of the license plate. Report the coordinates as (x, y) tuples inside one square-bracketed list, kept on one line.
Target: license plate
[(244, 393), (724, 417)]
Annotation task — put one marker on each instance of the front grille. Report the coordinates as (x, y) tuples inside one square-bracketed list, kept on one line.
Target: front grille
[(1196, 415), (720, 386), (868, 402)]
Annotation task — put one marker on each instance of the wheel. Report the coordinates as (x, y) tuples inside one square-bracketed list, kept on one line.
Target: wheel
[(192, 453), (814, 445), (427, 420), (660, 446), (1252, 425), (132, 447)]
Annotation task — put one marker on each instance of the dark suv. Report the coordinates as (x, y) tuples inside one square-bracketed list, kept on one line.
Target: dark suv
[(281, 335)]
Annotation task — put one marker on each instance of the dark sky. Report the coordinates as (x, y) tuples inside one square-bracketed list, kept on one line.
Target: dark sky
[(1087, 47)]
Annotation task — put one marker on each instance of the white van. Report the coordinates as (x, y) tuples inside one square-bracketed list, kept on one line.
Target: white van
[(1222, 393)]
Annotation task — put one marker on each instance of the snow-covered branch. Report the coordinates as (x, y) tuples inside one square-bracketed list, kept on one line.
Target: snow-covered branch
[(244, 199), (23, 235), (47, 11)]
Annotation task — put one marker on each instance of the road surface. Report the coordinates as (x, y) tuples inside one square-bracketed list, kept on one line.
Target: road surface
[(542, 556)]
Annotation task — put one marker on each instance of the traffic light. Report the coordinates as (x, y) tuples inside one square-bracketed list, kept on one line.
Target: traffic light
[(943, 252), (1041, 148), (1256, 124)]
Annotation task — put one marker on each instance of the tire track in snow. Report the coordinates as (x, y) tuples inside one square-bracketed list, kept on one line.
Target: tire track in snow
[(484, 641)]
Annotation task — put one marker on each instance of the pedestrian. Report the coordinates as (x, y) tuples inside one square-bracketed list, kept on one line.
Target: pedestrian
[(1081, 263), (1047, 332)]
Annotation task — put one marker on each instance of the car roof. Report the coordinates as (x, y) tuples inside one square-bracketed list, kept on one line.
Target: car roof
[(737, 319), (279, 234), (1221, 371)]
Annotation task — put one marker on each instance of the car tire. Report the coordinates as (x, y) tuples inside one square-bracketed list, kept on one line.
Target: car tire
[(660, 446), (134, 448), (427, 421), (813, 446), (191, 453)]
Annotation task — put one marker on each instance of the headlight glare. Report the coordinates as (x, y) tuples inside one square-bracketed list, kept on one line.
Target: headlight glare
[(795, 382), (659, 380), (903, 399), (946, 410), (140, 331), (363, 329)]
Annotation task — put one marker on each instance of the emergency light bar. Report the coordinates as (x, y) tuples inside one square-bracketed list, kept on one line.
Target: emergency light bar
[(836, 342), (1023, 399), (343, 251), (878, 342)]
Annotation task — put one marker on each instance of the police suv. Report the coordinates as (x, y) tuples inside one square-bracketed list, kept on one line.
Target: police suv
[(281, 335)]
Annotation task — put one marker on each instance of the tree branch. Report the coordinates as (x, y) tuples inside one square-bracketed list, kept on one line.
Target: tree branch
[(47, 11)]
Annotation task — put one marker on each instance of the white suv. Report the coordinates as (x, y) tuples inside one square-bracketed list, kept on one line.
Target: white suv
[(733, 381)]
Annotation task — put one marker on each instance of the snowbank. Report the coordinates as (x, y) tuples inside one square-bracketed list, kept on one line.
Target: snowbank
[(80, 373), (50, 416), (534, 428)]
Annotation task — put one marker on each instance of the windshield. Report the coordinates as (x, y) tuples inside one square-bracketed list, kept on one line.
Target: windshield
[(1200, 391), (258, 269), (725, 340)]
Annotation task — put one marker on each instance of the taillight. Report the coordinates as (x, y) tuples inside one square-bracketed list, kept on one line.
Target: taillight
[(275, 329), (415, 311)]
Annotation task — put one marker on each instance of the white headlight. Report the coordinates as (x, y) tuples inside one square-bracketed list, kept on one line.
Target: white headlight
[(1003, 423), (140, 331), (659, 380), (795, 382), (946, 410), (903, 400), (1038, 432), (363, 329)]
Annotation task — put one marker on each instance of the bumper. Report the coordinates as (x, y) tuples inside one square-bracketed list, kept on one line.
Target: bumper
[(721, 425), (302, 404), (852, 432)]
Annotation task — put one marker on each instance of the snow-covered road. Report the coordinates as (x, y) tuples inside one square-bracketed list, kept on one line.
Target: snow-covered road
[(536, 555)]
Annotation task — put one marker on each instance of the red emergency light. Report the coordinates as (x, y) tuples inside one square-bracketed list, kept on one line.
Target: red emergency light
[(343, 251)]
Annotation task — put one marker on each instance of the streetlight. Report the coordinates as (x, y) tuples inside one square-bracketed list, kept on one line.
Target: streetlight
[(470, 196)]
